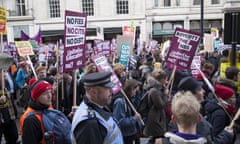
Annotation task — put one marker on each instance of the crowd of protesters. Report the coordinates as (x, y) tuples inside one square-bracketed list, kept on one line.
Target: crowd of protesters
[(188, 112)]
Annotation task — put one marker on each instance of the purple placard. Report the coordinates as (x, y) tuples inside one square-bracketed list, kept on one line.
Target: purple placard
[(75, 39), (103, 66), (13, 49), (182, 49), (95, 42), (106, 48), (113, 45), (99, 48), (153, 45)]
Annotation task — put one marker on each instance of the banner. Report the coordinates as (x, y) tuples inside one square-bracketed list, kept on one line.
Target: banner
[(75, 39), (182, 49), (103, 66), (3, 20), (24, 48)]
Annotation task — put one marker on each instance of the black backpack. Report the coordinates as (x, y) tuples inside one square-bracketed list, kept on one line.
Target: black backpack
[(144, 106)]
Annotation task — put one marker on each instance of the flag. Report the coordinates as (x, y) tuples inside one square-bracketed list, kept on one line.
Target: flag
[(37, 37), (24, 36)]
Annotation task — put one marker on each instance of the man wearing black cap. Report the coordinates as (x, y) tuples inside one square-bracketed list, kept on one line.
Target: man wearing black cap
[(92, 124)]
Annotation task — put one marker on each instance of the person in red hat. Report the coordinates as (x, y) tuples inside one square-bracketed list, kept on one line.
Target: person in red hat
[(41, 98), (216, 115)]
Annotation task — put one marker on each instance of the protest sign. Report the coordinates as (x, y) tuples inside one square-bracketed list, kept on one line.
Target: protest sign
[(103, 66), (182, 49), (24, 48), (75, 38), (3, 19)]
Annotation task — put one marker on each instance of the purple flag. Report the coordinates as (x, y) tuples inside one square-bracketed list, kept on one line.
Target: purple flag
[(24, 36), (37, 37)]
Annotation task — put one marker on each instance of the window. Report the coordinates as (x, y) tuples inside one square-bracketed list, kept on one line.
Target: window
[(88, 7), (155, 3), (196, 2), (215, 2), (122, 6), (167, 2), (21, 9), (54, 7), (177, 2)]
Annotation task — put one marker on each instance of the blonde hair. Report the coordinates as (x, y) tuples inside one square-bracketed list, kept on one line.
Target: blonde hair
[(186, 109), (118, 69), (159, 74), (89, 68)]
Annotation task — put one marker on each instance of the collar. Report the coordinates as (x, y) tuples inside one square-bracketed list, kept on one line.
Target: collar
[(101, 110), (37, 106)]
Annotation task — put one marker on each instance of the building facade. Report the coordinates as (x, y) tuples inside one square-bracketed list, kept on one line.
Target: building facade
[(153, 19)]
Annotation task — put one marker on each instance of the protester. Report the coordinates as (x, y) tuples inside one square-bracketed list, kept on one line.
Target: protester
[(65, 93), (41, 72), (92, 124), (128, 121), (230, 80), (8, 127), (186, 114), (21, 74), (156, 122), (218, 113), (40, 123), (31, 127), (204, 128)]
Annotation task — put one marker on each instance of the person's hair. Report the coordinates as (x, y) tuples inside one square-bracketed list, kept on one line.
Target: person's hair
[(185, 108), (231, 72), (40, 68), (159, 74), (208, 66), (89, 68), (118, 68), (130, 84)]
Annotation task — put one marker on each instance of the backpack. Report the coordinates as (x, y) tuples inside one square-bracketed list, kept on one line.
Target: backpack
[(144, 106), (57, 128)]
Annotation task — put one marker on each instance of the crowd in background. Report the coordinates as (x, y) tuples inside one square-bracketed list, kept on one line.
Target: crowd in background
[(208, 122)]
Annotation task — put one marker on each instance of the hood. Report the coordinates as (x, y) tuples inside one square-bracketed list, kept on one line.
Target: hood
[(226, 82), (152, 82), (211, 106), (175, 139)]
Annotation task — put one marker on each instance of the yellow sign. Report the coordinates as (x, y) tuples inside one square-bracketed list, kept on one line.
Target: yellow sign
[(223, 67), (3, 19), (24, 48)]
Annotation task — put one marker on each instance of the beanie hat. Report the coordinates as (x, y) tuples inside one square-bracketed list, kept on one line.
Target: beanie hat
[(38, 88), (189, 84), (223, 91)]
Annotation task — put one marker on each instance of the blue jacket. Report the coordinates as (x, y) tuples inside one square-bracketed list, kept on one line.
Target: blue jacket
[(126, 119), (20, 78)]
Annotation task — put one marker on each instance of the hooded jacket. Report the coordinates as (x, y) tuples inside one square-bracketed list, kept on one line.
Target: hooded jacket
[(216, 116), (156, 124)]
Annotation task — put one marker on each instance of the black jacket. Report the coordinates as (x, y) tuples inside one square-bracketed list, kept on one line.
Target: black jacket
[(91, 131), (31, 131), (216, 116)]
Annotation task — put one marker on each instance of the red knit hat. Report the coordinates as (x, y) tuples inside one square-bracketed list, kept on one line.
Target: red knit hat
[(40, 87), (223, 91)]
